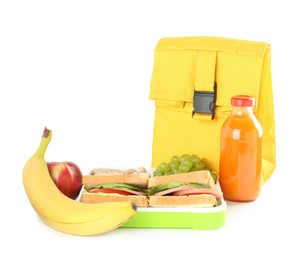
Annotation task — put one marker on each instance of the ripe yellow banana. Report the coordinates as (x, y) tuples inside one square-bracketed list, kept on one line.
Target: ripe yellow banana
[(65, 214)]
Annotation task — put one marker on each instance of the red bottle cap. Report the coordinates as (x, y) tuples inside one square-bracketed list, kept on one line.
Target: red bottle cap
[(242, 101)]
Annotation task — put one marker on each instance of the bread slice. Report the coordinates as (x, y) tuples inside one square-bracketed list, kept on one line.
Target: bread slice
[(138, 179), (202, 177), (200, 201), (140, 201)]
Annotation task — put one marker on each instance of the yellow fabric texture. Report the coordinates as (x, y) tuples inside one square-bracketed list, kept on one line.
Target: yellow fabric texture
[(183, 65)]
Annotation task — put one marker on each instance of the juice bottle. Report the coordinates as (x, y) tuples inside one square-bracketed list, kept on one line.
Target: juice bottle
[(241, 152)]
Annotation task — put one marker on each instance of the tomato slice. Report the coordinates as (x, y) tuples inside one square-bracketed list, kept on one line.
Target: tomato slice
[(110, 190)]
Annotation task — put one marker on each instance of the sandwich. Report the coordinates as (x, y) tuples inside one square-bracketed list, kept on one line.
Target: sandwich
[(191, 189), (108, 185)]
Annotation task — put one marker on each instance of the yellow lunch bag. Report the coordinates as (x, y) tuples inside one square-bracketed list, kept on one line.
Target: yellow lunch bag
[(192, 83)]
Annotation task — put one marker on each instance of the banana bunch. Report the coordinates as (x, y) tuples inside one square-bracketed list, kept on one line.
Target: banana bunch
[(65, 214)]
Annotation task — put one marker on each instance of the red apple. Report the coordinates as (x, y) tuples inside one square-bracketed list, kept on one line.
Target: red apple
[(67, 177)]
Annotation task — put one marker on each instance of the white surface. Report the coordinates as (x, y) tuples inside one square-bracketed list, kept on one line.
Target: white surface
[(83, 68)]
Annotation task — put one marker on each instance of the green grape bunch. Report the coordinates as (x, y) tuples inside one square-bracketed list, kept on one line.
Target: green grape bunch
[(182, 164)]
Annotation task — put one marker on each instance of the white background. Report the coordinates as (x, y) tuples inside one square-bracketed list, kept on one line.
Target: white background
[(83, 69)]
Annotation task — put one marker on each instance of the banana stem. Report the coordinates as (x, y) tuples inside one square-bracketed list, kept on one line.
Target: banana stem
[(46, 137)]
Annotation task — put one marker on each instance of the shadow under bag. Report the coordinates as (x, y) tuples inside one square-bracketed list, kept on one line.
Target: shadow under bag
[(192, 84)]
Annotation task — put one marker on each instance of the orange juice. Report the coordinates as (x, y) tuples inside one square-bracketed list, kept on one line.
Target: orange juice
[(241, 152)]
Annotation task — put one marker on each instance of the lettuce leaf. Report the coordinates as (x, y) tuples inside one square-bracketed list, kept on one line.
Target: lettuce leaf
[(117, 185)]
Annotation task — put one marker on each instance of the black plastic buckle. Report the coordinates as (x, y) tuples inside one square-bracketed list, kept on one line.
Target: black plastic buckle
[(204, 102)]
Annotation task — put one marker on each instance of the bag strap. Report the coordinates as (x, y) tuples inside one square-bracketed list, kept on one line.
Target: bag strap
[(205, 87)]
